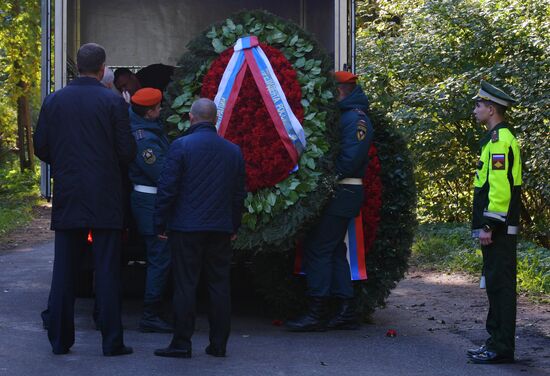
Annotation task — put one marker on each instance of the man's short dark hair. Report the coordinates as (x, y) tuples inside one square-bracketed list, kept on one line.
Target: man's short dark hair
[(90, 58), (142, 110), (122, 72), (500, 109)]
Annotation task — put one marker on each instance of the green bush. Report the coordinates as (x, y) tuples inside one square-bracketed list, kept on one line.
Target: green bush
[(449, 247), (421, 62), (18, 194)]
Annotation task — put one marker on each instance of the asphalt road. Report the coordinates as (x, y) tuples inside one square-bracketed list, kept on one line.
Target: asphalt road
[(256, 347)]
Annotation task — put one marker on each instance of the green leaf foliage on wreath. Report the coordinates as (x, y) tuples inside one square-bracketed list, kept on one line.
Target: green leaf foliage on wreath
[(274, 216)]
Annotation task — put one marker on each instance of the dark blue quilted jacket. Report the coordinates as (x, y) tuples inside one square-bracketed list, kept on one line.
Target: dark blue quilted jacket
[(202, 184)]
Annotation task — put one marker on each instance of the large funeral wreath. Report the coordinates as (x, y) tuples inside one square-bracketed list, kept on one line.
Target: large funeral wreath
[(280, 205)]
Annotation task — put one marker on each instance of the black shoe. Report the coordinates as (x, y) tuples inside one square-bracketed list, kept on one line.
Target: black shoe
[(215, 351), (61, 352), (170, 352), (345, 318), (478, 351), (155, 325), (124, 350), (489, 357), (314, 320)]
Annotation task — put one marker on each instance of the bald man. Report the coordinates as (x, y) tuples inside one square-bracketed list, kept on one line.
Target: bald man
[(199, 203)]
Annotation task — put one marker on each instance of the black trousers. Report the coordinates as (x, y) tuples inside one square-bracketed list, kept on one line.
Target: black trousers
[(106, 251), (499, 265), (192, 253)]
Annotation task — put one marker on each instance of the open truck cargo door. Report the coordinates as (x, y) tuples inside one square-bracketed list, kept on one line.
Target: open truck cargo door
[(136, 33)]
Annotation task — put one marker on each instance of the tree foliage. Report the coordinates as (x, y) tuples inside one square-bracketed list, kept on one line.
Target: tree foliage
[(422, 60), (19, 75)]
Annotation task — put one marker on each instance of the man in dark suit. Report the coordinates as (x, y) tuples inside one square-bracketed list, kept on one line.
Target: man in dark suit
[(200, 200), (83, 132)]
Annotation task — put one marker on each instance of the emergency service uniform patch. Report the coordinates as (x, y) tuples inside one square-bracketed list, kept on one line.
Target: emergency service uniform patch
[(498, 162), (148, 156)]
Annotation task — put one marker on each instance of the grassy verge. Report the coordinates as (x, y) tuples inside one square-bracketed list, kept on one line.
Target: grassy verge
[(449, 247), (19, 192)]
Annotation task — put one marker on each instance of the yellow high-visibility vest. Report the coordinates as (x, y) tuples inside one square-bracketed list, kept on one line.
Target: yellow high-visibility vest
[(497, 185)]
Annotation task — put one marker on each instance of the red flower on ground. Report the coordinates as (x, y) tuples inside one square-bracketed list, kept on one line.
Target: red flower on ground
[(250, 126)]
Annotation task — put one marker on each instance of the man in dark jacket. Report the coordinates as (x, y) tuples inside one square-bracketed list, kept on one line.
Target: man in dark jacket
[(144, 171), (200, 200), (327, 268), (83, 132)]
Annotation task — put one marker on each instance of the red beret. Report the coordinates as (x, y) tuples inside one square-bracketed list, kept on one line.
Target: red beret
[(343, 77), (147, 97)]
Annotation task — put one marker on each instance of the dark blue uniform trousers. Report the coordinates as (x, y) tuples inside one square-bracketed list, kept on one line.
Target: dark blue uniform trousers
[(193, 252), (107, 259), (326, 266), (158, 268)]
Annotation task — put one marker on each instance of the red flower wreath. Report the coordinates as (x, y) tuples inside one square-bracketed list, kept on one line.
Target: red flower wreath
[(373, 198), (250, 126)]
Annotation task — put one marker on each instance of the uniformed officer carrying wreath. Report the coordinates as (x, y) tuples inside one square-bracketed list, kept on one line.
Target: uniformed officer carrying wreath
[(495, 221), (327, 268), (144, 172)]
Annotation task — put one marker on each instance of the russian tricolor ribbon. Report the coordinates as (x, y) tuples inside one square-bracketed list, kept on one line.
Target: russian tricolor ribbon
[(355, 244), (247, 53)]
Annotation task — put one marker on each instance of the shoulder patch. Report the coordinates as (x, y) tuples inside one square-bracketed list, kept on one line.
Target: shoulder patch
[(359, 112), (494, 135), (498, 162), (148, 156), (139, 134), (361, 129)]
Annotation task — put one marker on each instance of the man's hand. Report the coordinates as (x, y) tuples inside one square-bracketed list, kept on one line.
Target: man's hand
[(485, 237), (126, 96), (233, 237), (162, 236)]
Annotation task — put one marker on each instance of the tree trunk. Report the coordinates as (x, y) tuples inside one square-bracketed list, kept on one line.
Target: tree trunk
[(24, 130)]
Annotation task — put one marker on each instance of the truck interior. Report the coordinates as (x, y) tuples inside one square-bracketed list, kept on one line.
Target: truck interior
[(137, 33)]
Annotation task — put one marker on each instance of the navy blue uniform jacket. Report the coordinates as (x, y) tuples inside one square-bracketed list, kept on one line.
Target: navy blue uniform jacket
[(152, 146), (83, 132), (202, 184), (356, 133)]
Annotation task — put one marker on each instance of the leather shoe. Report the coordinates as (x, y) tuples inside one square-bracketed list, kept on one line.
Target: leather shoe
[(215, 351), (170, 352), (479, 350), (124, 350), (61, 351), (489, 357), (155, 325)]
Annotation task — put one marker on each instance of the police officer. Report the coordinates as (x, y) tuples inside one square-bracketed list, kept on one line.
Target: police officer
[(495, 222), (144, 171), (326, 265)]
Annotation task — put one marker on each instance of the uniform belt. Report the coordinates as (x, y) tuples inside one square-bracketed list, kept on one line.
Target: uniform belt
[(145, 189), (351, 181)]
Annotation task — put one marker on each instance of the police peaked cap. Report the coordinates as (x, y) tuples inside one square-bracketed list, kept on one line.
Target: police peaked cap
[(147, 97), (492, 93)]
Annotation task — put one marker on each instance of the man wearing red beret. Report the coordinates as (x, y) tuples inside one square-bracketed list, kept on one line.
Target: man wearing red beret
[(327, 268), (144, 171)]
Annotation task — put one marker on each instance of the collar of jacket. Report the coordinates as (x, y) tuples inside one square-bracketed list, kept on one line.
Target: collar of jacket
[(138, 122), (84, 80), (356, 99), (487, 137), (203, 126)]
